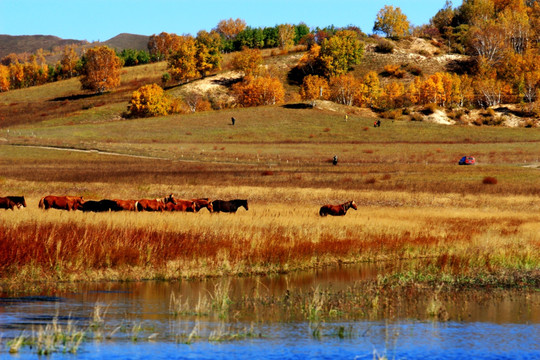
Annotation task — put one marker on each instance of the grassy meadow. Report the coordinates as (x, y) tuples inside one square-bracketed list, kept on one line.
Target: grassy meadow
[(458, 225)]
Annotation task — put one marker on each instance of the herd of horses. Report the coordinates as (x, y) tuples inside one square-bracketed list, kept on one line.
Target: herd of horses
[(168, 203)]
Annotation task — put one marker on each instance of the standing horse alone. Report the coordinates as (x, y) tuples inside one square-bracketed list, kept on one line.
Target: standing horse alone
[(337, 210), (229, 206)]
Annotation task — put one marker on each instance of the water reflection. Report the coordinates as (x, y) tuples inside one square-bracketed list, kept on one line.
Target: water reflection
[(325, 313)]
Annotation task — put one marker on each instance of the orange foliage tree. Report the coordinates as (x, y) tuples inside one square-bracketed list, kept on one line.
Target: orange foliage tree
[(264, 90), (101, 69), (345, 89), (230, 28), (4, 78)]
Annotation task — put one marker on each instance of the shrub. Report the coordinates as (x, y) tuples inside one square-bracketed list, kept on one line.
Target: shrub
[(417, 117), (384, 46), (430, 109), (149, 100), (489, 180), (393, 71)]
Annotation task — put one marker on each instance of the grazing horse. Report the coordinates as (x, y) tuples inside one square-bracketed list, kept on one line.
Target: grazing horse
[(155, 205), (337, 210), (181, 205), (7, 203), (61, 202), (203, 203), (127, 205), (101, 206), (20, 201), (229, 206)]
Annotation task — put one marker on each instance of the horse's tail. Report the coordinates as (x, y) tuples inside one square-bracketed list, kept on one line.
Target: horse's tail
[(323, 212), (42, 203)]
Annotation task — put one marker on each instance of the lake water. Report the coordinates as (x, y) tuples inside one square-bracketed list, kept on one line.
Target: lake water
[(278, 317)]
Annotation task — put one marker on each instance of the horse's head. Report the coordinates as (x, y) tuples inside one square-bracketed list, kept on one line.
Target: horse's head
[(353, 205), (169, 199), (244, 204)]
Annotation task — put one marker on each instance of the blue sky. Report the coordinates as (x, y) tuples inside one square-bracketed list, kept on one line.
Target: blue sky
[(101, 20)]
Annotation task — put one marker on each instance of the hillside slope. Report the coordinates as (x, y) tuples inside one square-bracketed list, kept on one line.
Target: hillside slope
[(30, 43)]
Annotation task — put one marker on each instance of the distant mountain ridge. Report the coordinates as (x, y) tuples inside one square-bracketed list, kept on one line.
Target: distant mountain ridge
[(31, 43)]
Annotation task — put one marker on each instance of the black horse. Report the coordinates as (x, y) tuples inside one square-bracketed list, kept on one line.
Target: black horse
[(101, 206), (229, 206)]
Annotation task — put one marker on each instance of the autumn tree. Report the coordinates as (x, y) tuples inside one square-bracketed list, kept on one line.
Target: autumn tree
[(4, 78), (262, 90), (69, 62), (371, 89), (314, 87), (339, 53), (208, 54), (230, 28), (286, 33), (100, 69), (149, 100), (345, 89), (392, 22), (182, 64), (248, 61)]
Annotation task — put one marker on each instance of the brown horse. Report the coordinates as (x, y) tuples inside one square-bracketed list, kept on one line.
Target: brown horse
[(20, 201), (181, 205), (127, 205), (61, 202), (7, 203), (203, 203), (154, 205), (337, 210)]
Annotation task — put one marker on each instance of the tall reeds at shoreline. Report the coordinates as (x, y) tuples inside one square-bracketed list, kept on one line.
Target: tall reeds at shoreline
[(494, 241)]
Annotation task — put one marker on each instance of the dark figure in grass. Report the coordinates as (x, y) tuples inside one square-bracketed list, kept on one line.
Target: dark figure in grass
[(334, 160), (233, 120)]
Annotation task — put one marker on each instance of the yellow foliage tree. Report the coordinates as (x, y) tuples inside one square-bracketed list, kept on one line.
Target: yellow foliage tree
[(208, 52), (69, 61), (183, 63), (149, 100), (101, 69), (16, 75), (263, 90), (339, 53), (314, 87), (372, 88), (248, 61), (286, 34), (392, 22)]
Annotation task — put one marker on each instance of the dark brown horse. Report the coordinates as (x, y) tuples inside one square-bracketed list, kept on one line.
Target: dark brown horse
[(20, 201), (61, 202), (229, 206), (7, 203), (337, 210)]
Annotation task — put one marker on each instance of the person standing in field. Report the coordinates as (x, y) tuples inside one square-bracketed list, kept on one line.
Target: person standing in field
[(233, 120)]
